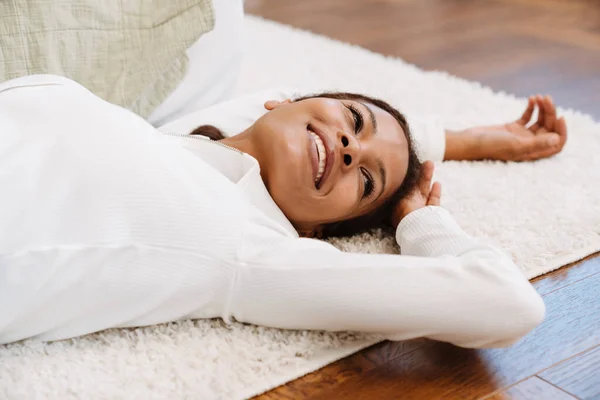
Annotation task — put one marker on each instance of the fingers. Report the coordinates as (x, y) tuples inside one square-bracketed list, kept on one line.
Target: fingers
[(426, 176), (549, 114), (559, 139), (526, 117), (551, 132), (539, 102), (419, 197), (540, 142), (435, 196), (543, 145), (546, 114), (432, 194), (561, 129)]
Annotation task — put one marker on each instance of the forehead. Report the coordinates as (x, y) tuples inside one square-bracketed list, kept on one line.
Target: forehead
[(388, 128)]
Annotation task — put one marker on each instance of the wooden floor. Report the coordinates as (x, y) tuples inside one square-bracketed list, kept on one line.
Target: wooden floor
[(520, 46)]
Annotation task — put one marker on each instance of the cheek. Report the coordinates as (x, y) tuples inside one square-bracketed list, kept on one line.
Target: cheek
[(290, 194), (342, 201), (330, 112), (299, 204)]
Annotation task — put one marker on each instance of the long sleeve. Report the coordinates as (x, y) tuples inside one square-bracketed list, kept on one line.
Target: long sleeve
[(429, 135), (104, 222), (446, 286)]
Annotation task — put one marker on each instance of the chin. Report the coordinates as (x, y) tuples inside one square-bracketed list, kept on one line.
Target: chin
[(290, 199)]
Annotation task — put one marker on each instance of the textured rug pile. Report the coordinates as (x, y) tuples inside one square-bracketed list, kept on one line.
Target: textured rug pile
[(545, 214)]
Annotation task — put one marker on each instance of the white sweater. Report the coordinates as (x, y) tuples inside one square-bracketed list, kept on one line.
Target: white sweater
[(106, 222)]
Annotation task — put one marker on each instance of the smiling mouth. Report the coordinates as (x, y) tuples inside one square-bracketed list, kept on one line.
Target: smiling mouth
[(322, 154)]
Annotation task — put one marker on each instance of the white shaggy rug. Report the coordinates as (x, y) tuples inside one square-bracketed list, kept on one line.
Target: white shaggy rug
[(545, 214)]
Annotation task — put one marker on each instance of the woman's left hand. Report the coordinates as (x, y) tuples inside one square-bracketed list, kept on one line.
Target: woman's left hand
[(423, 195), (514, 141)]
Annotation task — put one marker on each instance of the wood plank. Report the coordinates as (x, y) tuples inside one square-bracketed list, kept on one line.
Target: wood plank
[(567, 275), (346, 369), (435, 371), (579, 375), (570, 36), (520, 46), (532, 389)]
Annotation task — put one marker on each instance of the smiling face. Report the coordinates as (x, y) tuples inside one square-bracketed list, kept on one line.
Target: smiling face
[(328, 160)]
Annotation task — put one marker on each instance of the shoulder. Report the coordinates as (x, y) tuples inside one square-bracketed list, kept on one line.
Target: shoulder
[(37, 81)]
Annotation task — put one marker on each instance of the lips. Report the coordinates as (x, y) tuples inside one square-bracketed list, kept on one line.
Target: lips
[(325, 158), (313, 154), (322, 156)]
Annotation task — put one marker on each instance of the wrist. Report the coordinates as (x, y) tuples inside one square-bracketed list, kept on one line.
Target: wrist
[(397, 216), (402, 212), (461, 145)]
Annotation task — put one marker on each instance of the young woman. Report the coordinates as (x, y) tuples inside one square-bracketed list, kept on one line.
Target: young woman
[(107, 222)]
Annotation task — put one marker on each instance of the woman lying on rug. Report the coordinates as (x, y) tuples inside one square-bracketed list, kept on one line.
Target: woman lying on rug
[(107, 222)]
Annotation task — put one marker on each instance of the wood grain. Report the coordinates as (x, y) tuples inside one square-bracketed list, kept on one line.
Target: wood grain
[(344, 370), (532, 389), (567, 275), (580, 375), (519, 46)]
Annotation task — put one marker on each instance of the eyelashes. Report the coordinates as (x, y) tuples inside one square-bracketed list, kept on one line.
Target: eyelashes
[(359, 121), (368, 183)]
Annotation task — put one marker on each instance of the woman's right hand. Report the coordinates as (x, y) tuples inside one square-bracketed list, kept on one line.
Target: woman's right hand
[(423, 195)]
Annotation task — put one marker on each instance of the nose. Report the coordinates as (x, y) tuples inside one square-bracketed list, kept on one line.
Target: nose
[(349, 149)]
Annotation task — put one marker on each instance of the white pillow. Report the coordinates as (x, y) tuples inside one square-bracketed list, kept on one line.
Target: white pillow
[(213, 68), (231, 117)]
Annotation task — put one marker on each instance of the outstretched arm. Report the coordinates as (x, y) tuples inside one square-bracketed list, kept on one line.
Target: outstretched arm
[(520, 140)]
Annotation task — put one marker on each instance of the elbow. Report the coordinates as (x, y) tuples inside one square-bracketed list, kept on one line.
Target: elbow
[(525, 311), (534, 310)]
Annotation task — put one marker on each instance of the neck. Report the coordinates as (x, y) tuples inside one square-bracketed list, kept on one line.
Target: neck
[(242, 142), (245, 143)]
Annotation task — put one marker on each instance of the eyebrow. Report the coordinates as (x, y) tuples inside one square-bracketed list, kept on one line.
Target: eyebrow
[(371, 117), (383, 175)]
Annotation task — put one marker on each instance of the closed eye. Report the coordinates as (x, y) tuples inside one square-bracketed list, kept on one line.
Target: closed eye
[(368, 183), (357, 116)]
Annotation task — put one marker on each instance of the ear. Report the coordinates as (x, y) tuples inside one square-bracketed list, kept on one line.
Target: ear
[(316, 233), (273, 104)]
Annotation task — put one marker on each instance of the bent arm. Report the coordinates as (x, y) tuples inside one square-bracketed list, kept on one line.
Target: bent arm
[(446, 286)]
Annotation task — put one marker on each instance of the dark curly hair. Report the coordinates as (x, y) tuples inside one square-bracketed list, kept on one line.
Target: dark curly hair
[(382, 216)]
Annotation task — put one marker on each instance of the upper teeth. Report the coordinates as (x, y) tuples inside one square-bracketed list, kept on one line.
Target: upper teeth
[(322, 155)]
